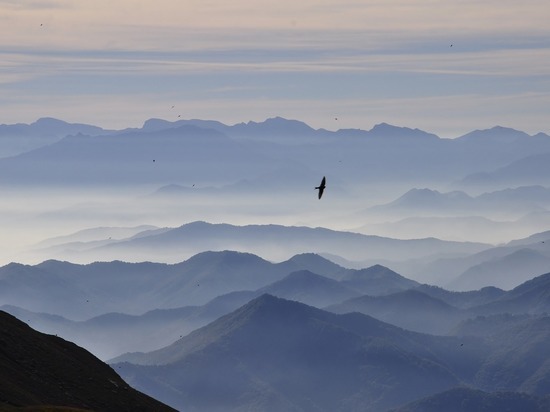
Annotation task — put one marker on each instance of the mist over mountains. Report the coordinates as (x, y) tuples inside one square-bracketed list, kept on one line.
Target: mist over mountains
[(389, 181), (275, 242), (196, 258), (290, 356)]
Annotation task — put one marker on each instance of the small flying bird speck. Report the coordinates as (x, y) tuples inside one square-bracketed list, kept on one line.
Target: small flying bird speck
[(321, 187)]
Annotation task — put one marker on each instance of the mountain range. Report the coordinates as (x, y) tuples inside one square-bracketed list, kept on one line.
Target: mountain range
[(282, 355), (250, 349), (275, 242), (389, 181), (187, 147), (455, 265), (85, 305), (198, 256), (115, 307)]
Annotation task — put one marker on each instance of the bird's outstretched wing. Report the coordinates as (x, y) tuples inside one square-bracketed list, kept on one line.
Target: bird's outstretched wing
[(321, 187)]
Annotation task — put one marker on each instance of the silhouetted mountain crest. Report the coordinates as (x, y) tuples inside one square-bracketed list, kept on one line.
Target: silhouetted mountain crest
[(385, 130), (377, 280), (38, 370), (273, 126), (495, 134), (314, 263), (310, 288), (532, 296), (408, 309)]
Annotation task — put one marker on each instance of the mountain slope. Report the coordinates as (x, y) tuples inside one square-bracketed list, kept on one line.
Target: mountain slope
[(409, 309), (377, 280), (464, 399), (505, 272), (38, 369), (310, 288), (532, 296), (273, 354)]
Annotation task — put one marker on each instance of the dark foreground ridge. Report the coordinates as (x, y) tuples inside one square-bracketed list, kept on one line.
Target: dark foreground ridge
[(47, 373)]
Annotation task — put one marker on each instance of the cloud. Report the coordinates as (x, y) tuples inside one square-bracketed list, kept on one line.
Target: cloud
[(262, 56), (33, 5), (176, 25)]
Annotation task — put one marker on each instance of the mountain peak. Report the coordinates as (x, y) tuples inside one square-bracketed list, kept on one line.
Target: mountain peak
[(497, 133), (385, 130), (274, 350), (49, 121)]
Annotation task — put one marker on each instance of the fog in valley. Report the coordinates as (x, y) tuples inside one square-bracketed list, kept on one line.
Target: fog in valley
[(197, 254), (390, 181)]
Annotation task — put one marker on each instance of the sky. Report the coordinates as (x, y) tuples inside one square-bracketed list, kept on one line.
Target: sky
[(444, 66)]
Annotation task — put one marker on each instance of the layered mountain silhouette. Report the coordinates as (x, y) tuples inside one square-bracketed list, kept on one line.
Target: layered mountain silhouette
[(410, 309), (19, 138), (44, 372), (275, 242), (427, 202), (242, 153), (454, 265), (205, 319), (282, 355), (377, 280), (115, 307), (274, 354), (307, 287), (504, 266)]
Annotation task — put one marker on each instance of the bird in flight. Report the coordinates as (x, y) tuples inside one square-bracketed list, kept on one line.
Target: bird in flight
[(321, 187)]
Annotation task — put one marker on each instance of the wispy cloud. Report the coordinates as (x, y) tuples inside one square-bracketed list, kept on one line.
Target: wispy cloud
[(259, 54)]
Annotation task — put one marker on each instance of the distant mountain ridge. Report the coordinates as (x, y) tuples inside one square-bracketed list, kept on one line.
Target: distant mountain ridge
[(52, 125), (21, 137), (240, 149), (134, 288), (459, 203), (276, 242)]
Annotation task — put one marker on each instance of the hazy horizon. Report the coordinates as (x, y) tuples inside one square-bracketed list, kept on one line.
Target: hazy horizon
[(444, 67), (265, 173)]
